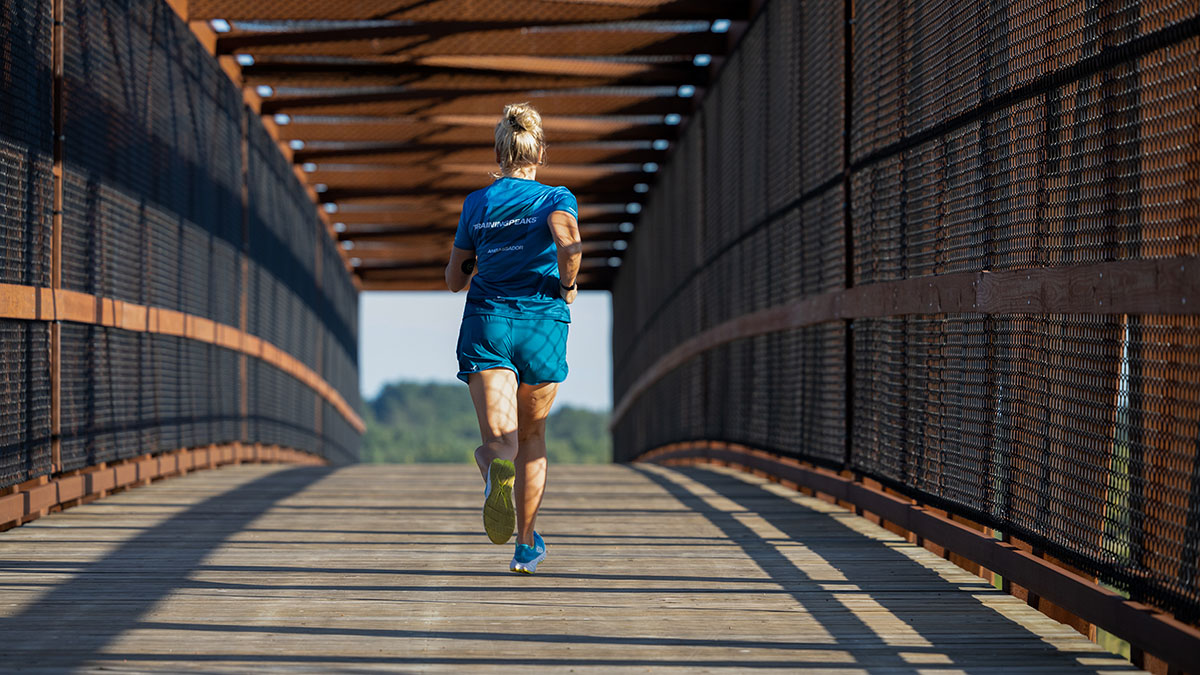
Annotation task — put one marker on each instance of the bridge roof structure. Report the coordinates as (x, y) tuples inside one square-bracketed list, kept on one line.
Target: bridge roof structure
[(389, 107)]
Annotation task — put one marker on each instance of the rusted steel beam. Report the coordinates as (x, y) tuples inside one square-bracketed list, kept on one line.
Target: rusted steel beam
[(58, 39), (1166, 286), (598, 192), (470, 176), (33, 303), (370, 233), (565, 41), (386, 133), (411, 155), (427, 266), (1150, 629), (420, 75), (456, 101), (468, 10), (565, 29)]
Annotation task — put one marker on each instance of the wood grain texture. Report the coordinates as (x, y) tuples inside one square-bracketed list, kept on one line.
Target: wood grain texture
[(385, 568)]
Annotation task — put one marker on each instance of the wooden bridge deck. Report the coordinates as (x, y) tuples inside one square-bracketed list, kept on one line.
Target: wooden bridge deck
[(386, 568)]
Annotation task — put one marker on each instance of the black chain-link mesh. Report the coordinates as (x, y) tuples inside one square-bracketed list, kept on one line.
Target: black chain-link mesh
[(25, 397), (153, 214), (970, 137), (26, 138)]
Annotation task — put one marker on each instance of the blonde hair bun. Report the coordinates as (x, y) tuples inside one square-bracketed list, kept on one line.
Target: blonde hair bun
[(519, 140)]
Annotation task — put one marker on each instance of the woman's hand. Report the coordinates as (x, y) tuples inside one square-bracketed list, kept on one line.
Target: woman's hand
[(568, 294)]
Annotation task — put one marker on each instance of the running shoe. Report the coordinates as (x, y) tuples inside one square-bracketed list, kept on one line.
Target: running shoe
[(526, 558), (499, 518)]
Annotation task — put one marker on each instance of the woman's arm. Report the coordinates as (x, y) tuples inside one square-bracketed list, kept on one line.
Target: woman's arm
[(460, 268), (565, 230)]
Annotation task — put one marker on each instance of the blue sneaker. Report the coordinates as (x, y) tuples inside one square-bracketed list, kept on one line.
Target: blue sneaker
[(526, 558), (499, 517)]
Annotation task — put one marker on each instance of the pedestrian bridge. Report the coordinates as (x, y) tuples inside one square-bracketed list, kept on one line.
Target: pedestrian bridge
[(266, 567), (933, 267)]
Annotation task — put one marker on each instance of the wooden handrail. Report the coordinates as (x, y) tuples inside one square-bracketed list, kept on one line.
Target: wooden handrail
[(35, 303), (1166, 286)]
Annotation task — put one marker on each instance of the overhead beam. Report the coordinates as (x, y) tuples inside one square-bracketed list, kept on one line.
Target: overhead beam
[(387, 134), (472, 175), (430, 40), (601, 193), (630, 152), (428, 267), (467, 10), (599, 230), (438, 77), (431, 30), (455, 102)]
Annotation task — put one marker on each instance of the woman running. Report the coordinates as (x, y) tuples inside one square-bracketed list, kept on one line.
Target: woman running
[(518, 246)]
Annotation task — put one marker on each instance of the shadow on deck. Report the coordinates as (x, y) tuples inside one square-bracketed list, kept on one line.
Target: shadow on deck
[(379, 568)]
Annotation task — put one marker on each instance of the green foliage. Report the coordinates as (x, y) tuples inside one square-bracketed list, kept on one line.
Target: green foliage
[(411, 422)]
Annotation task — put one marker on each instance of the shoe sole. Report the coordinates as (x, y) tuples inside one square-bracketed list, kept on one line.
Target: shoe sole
[(527, 567), (499, 518)]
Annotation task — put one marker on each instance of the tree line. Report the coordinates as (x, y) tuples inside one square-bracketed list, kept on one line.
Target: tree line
[(412, 422)]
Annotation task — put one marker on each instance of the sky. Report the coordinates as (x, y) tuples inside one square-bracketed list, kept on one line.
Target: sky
[(411, 335)]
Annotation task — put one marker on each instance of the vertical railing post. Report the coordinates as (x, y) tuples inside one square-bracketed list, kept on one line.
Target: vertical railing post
[(243, 295), (56, 225), (318, 402), (847, 213)]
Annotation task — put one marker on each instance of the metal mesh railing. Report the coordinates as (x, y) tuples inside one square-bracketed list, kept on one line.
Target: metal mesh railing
[(846, 165), (153, 176)]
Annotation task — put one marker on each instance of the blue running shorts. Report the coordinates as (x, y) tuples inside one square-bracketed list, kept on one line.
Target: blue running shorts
[(534, 349)]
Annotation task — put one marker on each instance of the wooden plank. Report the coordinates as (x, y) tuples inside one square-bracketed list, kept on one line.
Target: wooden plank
[(100, 480), (257, 568), (12, 508), (125, 474), (69, 488), (1154, 630), (39, 498)]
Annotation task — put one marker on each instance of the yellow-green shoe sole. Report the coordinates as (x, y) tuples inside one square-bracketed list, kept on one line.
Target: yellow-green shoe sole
[(499, 518)]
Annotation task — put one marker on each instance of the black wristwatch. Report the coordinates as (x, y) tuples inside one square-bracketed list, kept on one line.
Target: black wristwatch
[(572, 287)]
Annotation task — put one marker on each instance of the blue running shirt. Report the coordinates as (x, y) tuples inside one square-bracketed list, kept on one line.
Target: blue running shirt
[(507, 225)]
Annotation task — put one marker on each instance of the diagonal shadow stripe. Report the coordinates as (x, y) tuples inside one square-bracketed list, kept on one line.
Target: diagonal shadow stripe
[(861, 566), (78, 619)]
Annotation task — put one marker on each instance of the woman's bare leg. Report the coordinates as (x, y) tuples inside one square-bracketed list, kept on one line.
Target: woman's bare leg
[(494, 393), (533, 406)]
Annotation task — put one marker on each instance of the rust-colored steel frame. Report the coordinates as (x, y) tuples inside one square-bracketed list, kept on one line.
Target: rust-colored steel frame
[(421, 86), (420, 75), (33, 303), (57, 63), (1148, 629), (1166, 286), (530, 11)]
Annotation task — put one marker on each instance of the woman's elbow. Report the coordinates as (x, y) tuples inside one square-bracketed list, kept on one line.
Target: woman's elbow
[(455, 285)]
